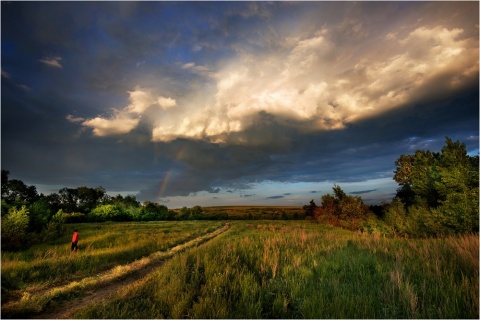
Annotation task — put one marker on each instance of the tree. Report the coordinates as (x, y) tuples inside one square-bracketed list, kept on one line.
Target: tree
[(55, 227), (16, 192), (152, 211), (310, 210), (39, 214), (341, 209), (68, 199), (440, 190), (89, 198)]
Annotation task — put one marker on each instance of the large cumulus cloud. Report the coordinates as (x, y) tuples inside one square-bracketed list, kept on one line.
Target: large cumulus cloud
[(310, 87)]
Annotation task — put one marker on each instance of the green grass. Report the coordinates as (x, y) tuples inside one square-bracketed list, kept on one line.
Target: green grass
[(297, 269), (102, 246)]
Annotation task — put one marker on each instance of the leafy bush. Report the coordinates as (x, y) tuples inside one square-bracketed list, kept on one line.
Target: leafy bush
[(341, 210), (151, 211), (75, 217), (109, 212), (396, 216), (55, 227), (39, 215), (15, 229)]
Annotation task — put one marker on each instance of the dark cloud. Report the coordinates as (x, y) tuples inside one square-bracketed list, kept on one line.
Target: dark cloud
[(363, 191), (108, 49)]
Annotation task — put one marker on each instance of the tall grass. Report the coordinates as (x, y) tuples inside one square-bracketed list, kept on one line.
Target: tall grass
[(286, 269), (102, 246)]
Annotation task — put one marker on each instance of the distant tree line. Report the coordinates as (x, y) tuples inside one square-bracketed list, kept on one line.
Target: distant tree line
[(29, 217), (437, 195)]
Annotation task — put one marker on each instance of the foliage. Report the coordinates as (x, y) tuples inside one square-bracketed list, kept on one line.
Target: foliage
[(55, 227), (439, 190), (109, 212), (343, 210), (310, 210), (15, 192), (75, 217), (395, 216), (39, 215), (15, 229), (81, 199), (151, 211)]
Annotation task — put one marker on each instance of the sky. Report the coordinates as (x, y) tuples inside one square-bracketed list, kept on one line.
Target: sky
[(233, 103)]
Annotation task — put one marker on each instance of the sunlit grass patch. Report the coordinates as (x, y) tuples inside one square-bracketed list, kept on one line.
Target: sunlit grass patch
[(285, 269), (102, 246)]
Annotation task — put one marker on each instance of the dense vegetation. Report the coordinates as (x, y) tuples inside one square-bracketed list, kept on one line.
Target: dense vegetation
[(438, 195)]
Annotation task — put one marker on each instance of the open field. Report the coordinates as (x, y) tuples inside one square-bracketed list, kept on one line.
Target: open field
[(257, 212), (291, 269)]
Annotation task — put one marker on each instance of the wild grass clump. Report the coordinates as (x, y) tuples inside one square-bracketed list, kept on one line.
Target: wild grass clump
[(287, 269)]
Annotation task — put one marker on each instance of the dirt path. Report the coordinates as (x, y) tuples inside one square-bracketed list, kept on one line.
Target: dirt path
[(112, 283)]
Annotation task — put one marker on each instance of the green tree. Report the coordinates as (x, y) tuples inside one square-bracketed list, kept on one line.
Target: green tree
[(16, 192), (89, 198), (68, 199), (439, 190), (39, 214), (152, 211), (55, 227)]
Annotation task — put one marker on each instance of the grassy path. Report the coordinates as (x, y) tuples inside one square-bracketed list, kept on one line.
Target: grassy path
[(63, 301)]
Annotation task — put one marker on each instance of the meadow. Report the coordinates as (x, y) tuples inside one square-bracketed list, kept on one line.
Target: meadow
[(293, 269), (102, 246)]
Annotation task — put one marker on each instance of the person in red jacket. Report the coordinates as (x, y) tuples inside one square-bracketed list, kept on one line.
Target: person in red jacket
[(74, 240)]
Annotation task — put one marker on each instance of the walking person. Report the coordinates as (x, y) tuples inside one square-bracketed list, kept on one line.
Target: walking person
[(75, 240)]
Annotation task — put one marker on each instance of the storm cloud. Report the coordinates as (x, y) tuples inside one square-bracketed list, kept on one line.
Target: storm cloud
[(174, 101)]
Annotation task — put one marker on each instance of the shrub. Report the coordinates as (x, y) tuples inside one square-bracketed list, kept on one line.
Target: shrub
[(395, 217), (151, 211), (109, 212), (15, 229), (75, 217), (55, 227), (39, 215)]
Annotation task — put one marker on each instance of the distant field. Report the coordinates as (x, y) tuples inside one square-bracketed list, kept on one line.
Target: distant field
[(257, 212), (288, 269)]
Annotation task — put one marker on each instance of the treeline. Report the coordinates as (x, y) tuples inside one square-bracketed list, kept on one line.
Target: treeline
[(437, 195), (29, 217)]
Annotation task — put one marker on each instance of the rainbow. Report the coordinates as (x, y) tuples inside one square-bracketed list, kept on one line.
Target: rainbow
[(168, 175), (164, 183)]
